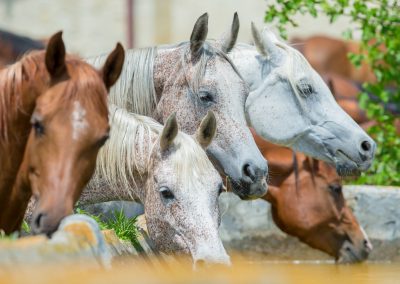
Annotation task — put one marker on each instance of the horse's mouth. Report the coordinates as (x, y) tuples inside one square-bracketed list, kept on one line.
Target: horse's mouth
[(348, 254), (346, 166)]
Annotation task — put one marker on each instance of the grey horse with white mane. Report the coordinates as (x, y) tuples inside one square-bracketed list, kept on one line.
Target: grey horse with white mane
[(290, 105), (190, 79), (170, 174)]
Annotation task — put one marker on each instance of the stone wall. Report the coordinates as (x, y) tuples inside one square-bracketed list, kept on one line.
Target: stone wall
[(247, 226)]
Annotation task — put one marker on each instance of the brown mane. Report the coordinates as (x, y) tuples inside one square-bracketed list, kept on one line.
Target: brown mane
[(12, 81)]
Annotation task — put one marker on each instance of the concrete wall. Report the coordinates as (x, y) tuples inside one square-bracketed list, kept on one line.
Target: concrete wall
[(94, 26)]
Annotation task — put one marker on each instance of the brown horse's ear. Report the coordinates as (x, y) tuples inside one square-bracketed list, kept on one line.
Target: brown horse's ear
[(228, 41), (307, 164), (199, 34), (55, 57), (113, 66), (207, 129), (311, 165), (315, 164), (169, 132)]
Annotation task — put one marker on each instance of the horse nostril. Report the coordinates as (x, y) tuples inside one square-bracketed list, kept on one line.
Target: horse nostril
[(366, 146), (248, 170)]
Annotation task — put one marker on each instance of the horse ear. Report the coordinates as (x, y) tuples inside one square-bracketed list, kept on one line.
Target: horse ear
[(265, 43), (207, 129), (315, 164), (55, 57), (113, 66), (199, 34), (169, 132), (228, 40)]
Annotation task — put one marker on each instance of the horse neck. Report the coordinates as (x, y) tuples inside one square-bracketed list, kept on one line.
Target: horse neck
[(250, 64), (123, 162)]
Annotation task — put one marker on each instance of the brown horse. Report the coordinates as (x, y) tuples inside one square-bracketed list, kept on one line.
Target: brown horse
[(307, 202), (329, 55), (65, 101), (13, 46)]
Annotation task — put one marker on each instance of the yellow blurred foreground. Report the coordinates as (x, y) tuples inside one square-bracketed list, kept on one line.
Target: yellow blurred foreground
[(242, 271)]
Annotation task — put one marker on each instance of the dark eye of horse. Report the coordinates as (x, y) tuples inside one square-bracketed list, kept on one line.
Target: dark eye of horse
[(305, 89), (336, 188), (166, 193), (38, 127), (206, 97)]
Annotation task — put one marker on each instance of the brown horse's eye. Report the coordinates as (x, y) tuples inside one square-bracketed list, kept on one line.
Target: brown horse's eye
[(336, 188), (38, 128)]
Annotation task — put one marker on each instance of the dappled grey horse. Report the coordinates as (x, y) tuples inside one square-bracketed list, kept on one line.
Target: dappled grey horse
[(290, 105), (190, 79), (170, 174)]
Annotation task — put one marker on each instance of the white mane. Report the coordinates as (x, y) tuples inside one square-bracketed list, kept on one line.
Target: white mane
[(129, 153), (134, 89)]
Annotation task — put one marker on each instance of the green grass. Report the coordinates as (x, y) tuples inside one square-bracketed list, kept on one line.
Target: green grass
[(124, 227)]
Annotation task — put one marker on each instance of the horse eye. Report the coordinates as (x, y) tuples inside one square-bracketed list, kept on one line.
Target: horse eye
[(166, 193), (305, 89), (206, 97), (38, 127), (335, 187)]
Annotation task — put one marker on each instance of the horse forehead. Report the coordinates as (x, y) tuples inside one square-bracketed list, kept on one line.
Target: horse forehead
[(78, 120)]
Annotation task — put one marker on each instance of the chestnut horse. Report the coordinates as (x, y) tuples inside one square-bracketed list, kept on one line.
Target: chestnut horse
[(307, 202), (65, 101), (329, 55)]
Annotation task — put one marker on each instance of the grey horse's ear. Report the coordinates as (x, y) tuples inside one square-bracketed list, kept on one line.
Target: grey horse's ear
[(169, 132), (228, 40), (207, 129), (265, 43), (199, 34)]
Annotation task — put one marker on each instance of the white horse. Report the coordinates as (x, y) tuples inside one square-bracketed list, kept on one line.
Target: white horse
[(290, 105), (170, 174), (190, 79)]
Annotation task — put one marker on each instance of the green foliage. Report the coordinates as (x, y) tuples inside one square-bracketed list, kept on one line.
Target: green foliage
[(124, 227), (25, 227), (379, 24)]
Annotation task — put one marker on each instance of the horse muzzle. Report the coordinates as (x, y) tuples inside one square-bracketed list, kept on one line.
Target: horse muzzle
[(351, 253)]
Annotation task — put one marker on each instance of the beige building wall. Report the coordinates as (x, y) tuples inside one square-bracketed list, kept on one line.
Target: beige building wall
[(94, 26)]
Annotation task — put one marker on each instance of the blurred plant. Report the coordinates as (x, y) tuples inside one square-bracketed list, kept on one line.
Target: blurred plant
[(379, 23), (124, 227)]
